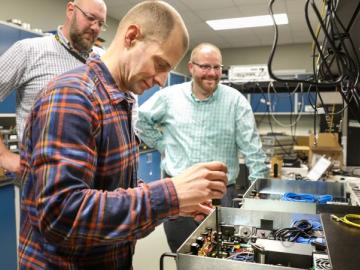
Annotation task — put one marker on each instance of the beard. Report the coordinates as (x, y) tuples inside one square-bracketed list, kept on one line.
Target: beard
[(207, 83), (81, 40)]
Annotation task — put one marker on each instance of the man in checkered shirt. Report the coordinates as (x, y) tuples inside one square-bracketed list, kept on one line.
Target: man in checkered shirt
[(31, 63)]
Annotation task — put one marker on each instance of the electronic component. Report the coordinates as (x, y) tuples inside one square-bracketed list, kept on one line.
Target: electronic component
[(268, 140), (194, 248), (321, 262), (248, 236), (285, 253), (267, 194), (248, 73)]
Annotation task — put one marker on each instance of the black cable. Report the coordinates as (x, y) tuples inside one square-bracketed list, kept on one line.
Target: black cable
[(354, 67), (270, 124), (338, 59), (300, 228), (317, 44), (273, 49), (334, 39)]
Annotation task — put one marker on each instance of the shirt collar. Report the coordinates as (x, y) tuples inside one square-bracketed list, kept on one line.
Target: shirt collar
[(103, 73), (67, 43)]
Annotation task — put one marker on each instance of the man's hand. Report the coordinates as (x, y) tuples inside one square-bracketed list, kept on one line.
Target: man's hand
[(199, 184), (9, 160), (200, 213)]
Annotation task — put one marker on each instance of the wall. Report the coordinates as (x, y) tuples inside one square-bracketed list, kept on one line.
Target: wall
[(48, 14), (286, 57)]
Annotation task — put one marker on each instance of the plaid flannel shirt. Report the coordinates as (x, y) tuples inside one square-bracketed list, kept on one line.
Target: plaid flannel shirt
[(80, 208)]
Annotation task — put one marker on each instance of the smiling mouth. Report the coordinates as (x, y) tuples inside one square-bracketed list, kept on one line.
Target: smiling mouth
[(210, 80), (89, 36)]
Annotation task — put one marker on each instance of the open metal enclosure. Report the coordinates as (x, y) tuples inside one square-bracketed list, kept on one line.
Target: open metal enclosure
[(291, 253), (265, 195)]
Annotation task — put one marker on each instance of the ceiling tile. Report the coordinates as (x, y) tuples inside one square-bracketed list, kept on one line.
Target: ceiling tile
[(222, 13), (195, 13), (208, 4)]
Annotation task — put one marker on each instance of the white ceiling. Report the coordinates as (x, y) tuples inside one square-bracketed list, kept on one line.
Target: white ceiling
[(196, 12)]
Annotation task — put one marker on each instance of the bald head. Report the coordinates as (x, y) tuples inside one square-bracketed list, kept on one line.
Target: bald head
[(203, 48), (99, 3), (150, 41), (157, 20)]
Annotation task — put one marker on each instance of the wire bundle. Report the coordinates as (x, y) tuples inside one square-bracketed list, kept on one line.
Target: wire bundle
[(299, 232), (308, 198), (308, 238), (336, 61)]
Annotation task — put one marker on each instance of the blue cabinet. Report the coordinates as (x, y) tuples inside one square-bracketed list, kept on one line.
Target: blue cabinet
[(259, 103), (147, 94), (176, 78), (8, 257), (9, 104), (279, 102), (149, 166), (306, 101), (282, 102)]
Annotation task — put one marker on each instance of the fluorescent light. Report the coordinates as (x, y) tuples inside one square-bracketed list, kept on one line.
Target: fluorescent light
[(248, 22)]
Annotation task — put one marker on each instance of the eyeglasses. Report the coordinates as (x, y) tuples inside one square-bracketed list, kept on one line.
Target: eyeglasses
[(206, 67), (92, 19)]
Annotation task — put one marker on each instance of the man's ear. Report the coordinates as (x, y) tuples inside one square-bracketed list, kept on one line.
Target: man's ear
[(69, 10), (190, 66), (132, 34)]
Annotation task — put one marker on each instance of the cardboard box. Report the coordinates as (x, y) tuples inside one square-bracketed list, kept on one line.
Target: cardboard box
[(326, 144)]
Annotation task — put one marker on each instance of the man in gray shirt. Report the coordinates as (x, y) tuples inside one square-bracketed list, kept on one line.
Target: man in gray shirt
[(30, 64)]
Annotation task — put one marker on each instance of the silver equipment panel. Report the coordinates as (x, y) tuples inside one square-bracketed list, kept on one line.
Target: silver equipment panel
[(289, 252), (265, 195)]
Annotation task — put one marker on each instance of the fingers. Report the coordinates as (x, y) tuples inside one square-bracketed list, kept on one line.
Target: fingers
[(201, 182), (217, 175), (203, 209), (199, 210), (199, 217), (217, 186), (216, 166)]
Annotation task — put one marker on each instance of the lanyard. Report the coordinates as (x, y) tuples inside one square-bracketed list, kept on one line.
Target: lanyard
[(71, 51)]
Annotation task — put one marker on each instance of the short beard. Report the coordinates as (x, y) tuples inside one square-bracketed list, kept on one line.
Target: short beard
[(77, 40), (199, 82)]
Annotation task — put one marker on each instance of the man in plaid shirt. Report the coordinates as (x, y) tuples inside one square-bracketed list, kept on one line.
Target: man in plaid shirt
[(81, 207)]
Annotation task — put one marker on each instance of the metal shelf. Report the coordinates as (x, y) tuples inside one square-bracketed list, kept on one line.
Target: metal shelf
[(7, 115), (285, 113)]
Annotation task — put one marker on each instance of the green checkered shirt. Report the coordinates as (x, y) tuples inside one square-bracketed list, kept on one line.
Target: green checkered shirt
[(187, 130)]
